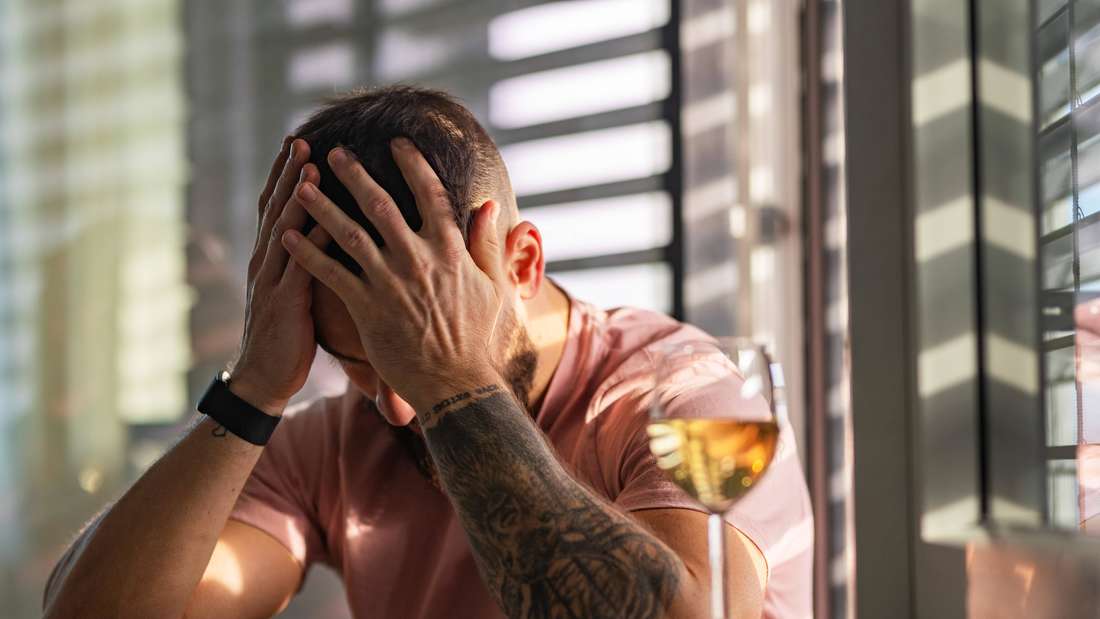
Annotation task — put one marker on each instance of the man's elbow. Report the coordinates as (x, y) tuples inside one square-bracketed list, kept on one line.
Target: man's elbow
[(64, 565), (56, 577)]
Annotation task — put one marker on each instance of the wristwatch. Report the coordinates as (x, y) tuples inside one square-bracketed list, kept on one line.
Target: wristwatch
[(234, 414)]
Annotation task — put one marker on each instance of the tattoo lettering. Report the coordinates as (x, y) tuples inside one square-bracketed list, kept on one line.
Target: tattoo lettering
[(545, 545), (431, 418), (451, 400)]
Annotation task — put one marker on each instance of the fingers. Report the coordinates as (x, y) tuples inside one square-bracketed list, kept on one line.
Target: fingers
[(375, 203), (292, 169), (431, 196), (330, 272), (293, 217), (273, 175), (265, 199), (349, 235), (485, 241), (296, 277)]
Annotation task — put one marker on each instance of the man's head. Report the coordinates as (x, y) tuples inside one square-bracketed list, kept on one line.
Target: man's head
[(471, 170)]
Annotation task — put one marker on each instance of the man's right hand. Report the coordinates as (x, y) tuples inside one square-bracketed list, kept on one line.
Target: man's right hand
[(278, 346)]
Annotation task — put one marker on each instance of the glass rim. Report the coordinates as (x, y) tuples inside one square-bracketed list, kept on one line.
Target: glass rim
[(764, 367), (726, 345)]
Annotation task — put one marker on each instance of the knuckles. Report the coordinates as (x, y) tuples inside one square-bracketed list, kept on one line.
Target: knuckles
[(377, 204), (450, 251), (438, 195), (419, 268), (331, 272), (356, 239)]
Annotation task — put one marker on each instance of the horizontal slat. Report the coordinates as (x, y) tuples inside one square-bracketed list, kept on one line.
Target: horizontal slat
[(1059, 343), (1064, 231), (448, 10), (1087, 108), (1053, 43), (1053, 16), (476, 67), (604, 120), (487, 69), (1052, 36), (1061, 452), (644, 256), (620, 188), (1054, 32)]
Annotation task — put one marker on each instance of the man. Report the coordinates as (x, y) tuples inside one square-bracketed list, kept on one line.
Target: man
[(490, 456)]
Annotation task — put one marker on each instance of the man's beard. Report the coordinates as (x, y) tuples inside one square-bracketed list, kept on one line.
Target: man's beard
[(518, 369)]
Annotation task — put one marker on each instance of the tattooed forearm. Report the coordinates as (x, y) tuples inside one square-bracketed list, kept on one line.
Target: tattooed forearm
[(545, 545)]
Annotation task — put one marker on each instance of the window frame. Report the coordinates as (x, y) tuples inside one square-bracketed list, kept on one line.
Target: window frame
[(948, 445)]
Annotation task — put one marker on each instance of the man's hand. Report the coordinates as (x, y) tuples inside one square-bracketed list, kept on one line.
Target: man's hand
[(278, 345), (426, 311)]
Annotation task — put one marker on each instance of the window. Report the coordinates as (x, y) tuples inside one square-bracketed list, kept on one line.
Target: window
[(1068, 84), (95, 338)]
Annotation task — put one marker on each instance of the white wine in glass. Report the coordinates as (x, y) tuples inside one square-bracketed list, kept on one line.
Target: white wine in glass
[(715, 461), (713, 429)]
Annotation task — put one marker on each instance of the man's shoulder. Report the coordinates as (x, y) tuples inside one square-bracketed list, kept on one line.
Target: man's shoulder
[(629, 340), (632, 336)]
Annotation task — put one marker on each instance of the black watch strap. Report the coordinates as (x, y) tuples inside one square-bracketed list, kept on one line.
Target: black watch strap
[(236, 415)]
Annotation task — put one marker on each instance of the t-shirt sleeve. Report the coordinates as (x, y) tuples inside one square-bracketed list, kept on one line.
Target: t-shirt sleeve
[(279, 498), (632, 475)]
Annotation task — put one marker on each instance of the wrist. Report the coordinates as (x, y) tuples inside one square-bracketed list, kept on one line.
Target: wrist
[(246, 387), (468, 381)]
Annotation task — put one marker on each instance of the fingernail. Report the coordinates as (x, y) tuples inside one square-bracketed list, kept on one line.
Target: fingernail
[(337, 155), (401, 142), (306, 192), (287, 139), (290, 238)]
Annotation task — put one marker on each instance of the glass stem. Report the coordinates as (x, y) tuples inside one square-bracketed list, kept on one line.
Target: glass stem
[(716, 542)]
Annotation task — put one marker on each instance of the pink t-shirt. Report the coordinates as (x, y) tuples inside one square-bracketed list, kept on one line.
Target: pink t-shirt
[(336, 486)]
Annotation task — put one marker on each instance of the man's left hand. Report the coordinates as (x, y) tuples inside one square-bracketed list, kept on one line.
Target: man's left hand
[(426, 308)]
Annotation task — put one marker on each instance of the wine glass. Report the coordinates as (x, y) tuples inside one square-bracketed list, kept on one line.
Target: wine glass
[(714, 428)]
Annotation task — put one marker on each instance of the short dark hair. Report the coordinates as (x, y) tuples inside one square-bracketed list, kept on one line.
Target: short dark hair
[(458, 148)]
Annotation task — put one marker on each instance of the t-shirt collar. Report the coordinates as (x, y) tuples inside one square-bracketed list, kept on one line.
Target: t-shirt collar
[(564, 382)]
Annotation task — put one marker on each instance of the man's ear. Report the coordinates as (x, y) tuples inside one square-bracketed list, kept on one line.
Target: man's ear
[(524, 263)]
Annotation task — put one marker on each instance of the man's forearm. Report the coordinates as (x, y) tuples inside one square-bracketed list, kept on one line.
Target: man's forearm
[(545, 544), (144, 556)]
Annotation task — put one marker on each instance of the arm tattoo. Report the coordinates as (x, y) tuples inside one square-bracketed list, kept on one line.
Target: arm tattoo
[(219, 431), (432, 417), (545, 545)]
